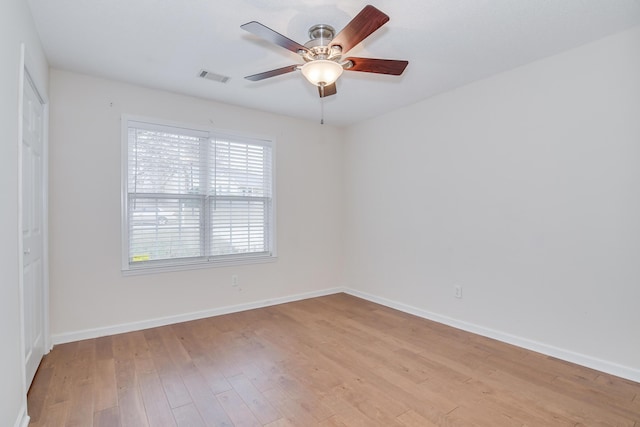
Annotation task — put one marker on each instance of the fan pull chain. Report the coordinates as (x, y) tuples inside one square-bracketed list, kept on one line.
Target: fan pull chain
[(322, 110)]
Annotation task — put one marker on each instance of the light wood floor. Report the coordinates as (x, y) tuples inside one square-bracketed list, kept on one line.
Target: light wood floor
[(330, 361)]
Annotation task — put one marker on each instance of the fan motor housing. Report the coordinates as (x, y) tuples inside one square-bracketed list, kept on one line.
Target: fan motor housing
[(318, 45)]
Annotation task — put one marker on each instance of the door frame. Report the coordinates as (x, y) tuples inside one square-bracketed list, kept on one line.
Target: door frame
[(26, 77)]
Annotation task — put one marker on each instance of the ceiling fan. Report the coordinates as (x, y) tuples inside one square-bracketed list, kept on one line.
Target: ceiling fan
[(322, 55)]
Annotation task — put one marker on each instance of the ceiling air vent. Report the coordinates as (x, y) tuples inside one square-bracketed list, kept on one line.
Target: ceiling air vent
[(213, 76)]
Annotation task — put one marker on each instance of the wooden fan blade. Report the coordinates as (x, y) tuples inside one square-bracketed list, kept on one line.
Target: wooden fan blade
[(380, 66), (272, 73), (272, 36), (366, 22), (327, 90)]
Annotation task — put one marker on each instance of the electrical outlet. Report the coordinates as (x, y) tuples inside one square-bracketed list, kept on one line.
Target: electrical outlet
[(458, 291), (234, 280)]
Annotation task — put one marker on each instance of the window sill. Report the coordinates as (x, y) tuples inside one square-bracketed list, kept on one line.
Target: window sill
[(195, 265)]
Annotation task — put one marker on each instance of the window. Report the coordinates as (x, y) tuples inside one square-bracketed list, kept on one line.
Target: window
[(194, 197)]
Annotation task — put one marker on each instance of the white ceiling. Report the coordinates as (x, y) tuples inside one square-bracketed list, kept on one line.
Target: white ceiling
[(164, 44)]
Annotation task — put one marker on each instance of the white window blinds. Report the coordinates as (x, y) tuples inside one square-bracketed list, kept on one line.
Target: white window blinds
[(195, 196)]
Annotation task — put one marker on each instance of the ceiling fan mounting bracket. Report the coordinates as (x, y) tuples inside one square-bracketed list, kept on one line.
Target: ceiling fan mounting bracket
[(318, 45), (322, 31)]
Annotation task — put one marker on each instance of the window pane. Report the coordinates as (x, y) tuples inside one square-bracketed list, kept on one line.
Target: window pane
[(238, 226), (162, 228), (163, 162), (240, 169)]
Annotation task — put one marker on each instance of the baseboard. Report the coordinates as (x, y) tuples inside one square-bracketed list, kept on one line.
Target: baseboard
[(169, 320), (23, 419), (566, 355)]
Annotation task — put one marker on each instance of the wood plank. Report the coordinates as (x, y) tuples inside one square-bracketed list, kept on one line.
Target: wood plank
[(353, 418), (132, 412), (106, 390), (37, 395), (237, 410), (155, 401), (104, 348), (61, 382), (174, 388), (107, 418), (82, 394), (209, 407), (188, 416), (291, 409), (281, 422), (372, 402), (55, 415), (254, 400), (412, 419), (81, 406)]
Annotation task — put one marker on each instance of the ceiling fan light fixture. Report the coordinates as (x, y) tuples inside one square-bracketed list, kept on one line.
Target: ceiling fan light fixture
[(321, 72)]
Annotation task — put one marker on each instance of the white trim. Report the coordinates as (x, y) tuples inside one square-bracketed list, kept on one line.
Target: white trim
[(169, 320), (560, 353), (195, 265), (48, 344), (274, 198), (23, 418), (241, 135), (23, 369), (124, 168)]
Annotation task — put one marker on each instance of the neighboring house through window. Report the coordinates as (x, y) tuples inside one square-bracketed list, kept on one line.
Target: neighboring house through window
[(193, 197)]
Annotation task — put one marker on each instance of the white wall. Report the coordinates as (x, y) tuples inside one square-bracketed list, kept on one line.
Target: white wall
[(523, 188), (16, 26), (88, 290)]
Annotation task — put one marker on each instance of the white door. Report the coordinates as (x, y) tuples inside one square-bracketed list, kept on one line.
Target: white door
[(32, 229)]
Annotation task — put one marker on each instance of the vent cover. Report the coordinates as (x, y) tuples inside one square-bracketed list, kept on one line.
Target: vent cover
[(213, 76)]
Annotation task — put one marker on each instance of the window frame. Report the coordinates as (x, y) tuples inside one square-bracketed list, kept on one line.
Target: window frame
[(203, 261)]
